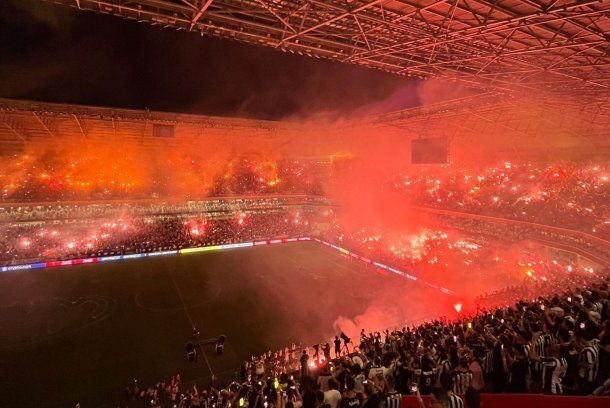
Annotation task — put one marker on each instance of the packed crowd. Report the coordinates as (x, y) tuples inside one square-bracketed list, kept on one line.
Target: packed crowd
[(553, 340), (575, 196), (547, 284), (570, 240), (48, 241), (103, 175), (143, 208), (556, 344), (442, 254)]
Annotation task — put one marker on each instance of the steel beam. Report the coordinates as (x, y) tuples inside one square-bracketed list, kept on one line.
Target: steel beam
[(487, 43)]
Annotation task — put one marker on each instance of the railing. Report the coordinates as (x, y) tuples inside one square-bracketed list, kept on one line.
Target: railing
[(40, 211), (125, 256), (161, 201), (523, 400), (517, 222), (112, 256)]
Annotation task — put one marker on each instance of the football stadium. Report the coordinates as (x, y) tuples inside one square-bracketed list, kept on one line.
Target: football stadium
[(305, 204)]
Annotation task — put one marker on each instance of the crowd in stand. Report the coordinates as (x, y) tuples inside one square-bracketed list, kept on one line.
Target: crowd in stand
[(48, 241), (104, 175), (554, 340), (519, 233), (440, 254), (143, 208), (575, 196), (558, 344), (554, 282)]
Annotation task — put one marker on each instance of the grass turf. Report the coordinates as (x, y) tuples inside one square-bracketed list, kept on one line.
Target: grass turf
[(81, 333)]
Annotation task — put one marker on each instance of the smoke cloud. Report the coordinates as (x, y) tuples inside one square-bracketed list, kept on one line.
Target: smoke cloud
[(354, 157)]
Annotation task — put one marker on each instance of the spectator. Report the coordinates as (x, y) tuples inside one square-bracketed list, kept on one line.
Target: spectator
[(332, 397), (478, 381), (350, 398)]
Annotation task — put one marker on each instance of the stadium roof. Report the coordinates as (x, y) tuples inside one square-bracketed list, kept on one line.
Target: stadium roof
[(28, 122), (561, 46), (485, 121), (490, 115)]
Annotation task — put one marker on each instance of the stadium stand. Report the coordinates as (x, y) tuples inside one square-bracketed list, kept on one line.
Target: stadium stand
[(553, 345)]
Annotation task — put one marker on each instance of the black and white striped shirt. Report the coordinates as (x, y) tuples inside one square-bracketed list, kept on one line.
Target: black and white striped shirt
[(526, 349), (487, 362), (541, 345), (461, 381), (553, 372), (455, 401), (588, 362), (445, 366), (392, 400)]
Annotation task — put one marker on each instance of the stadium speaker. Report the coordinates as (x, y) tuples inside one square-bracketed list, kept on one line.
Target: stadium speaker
[(430, 151)]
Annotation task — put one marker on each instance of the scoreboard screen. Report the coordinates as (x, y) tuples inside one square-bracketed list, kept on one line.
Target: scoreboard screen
[(429, 151)]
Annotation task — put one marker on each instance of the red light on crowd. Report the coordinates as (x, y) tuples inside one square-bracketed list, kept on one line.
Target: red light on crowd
[(458, 307)]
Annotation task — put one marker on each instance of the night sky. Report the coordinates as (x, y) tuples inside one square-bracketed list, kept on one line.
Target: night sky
[(55, 54)]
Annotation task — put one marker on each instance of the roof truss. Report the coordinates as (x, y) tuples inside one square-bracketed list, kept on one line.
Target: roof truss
[(519, 45)]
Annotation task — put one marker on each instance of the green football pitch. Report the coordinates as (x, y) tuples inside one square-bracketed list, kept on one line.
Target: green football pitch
[(82, 333)]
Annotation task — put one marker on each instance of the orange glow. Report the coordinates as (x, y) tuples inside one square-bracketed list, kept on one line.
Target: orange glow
[(115, 168)]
